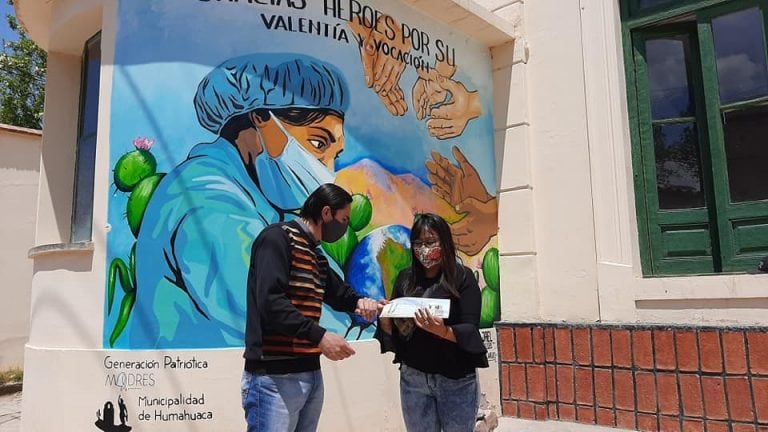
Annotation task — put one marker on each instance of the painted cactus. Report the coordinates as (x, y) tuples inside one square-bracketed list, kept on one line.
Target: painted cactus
[(360, 215), (135, 165), (135, 173), (490, 309)]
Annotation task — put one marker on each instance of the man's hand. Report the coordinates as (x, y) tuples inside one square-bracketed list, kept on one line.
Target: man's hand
[(367, 308), (335, 347)]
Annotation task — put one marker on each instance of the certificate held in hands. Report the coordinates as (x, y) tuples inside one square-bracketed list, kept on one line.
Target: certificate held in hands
[(406, 307)]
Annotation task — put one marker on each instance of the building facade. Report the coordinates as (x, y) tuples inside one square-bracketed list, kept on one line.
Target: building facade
[(618, 139), (19, 175)]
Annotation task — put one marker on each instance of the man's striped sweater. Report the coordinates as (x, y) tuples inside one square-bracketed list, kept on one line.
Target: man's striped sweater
[(288, 281)]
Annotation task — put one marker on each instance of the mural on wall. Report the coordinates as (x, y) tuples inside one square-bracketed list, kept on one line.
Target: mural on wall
[(225, 116)]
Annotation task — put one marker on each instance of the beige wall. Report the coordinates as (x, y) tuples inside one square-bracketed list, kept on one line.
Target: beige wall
[(68, 296), (568, 231), (19, 177), (567, 234)]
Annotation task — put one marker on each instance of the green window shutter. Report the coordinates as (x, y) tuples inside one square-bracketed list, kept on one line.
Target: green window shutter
[(677, 188), (697, 77), (738, 129)]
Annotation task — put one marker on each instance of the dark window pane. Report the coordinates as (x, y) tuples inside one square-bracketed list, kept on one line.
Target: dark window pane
[(83, 212), (651, 3), (746, 149), (740, 53), (678, 168), (82, 215), (90, 109), (667, 59)]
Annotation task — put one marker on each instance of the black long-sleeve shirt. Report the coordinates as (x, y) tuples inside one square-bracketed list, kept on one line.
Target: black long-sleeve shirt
[(430, 353), (288, 281)]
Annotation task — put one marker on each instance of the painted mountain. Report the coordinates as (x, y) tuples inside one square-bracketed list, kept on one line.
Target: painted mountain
[(395, 198)]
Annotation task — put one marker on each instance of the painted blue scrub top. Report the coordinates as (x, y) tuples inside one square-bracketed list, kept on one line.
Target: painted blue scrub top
[(193, 252)]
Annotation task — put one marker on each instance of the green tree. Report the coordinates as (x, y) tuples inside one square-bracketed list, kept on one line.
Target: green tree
[(22, 79)]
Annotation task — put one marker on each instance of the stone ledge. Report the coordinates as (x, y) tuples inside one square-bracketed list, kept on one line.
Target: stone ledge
[(56, 248)]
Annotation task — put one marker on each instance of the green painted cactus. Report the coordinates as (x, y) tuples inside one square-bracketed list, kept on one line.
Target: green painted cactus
[(135, 173), (138, 201), (360, 214), (133, 167), (341, 249), (490, 309)]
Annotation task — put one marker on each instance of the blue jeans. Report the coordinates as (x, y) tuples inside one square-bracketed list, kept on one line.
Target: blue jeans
[(282, 403), (432, 402)]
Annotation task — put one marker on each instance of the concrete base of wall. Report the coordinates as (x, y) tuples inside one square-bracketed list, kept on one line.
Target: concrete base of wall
[(520, 425), (648, 377)]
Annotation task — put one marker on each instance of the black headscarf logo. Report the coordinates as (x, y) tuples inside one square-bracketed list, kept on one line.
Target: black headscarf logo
[(107, 423)]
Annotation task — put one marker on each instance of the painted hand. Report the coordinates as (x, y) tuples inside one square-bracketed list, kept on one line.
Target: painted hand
[(455, 183), (450, 119), (460, 185), (427, 92), (382, 72), (478, 225)]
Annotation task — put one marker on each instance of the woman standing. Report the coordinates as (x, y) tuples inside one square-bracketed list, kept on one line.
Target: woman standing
[(438, 358)]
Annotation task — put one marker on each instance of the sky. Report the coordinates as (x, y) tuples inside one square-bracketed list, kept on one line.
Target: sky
[(5, 32)]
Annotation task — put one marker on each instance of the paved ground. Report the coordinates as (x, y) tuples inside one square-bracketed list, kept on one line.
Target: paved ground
[(10, 412)]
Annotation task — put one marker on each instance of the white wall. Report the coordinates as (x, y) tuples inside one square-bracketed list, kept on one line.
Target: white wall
[(19, 177), (568, 231), (67, 305)]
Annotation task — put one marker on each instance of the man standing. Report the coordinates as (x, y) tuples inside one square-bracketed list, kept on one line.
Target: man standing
[(289, 279)]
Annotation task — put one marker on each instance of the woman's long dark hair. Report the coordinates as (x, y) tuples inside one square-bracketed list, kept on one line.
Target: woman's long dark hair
[(448, 265)]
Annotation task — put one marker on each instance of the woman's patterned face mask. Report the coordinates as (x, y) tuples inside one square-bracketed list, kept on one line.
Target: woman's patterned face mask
[(429, 255)]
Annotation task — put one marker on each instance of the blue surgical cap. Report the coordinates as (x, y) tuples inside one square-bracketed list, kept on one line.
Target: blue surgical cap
[(243, 84)]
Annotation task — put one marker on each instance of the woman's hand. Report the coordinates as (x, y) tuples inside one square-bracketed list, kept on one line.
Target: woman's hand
[(433, 324), (384, 323)]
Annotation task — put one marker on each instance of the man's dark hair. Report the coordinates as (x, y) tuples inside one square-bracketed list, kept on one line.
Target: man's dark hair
[(329, 195), (291, 116)]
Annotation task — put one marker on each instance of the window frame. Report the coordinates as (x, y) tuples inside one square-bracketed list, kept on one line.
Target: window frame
[(727, 210), (636, 25), (78, 232)]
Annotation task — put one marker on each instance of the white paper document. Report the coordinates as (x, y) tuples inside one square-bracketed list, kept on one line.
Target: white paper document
[(406, 307)]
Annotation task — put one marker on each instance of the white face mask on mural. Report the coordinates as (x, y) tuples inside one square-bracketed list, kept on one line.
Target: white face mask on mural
[(288, 179)]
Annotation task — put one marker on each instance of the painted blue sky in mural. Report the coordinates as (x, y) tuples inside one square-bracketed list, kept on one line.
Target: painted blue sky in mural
[(174, 26)]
